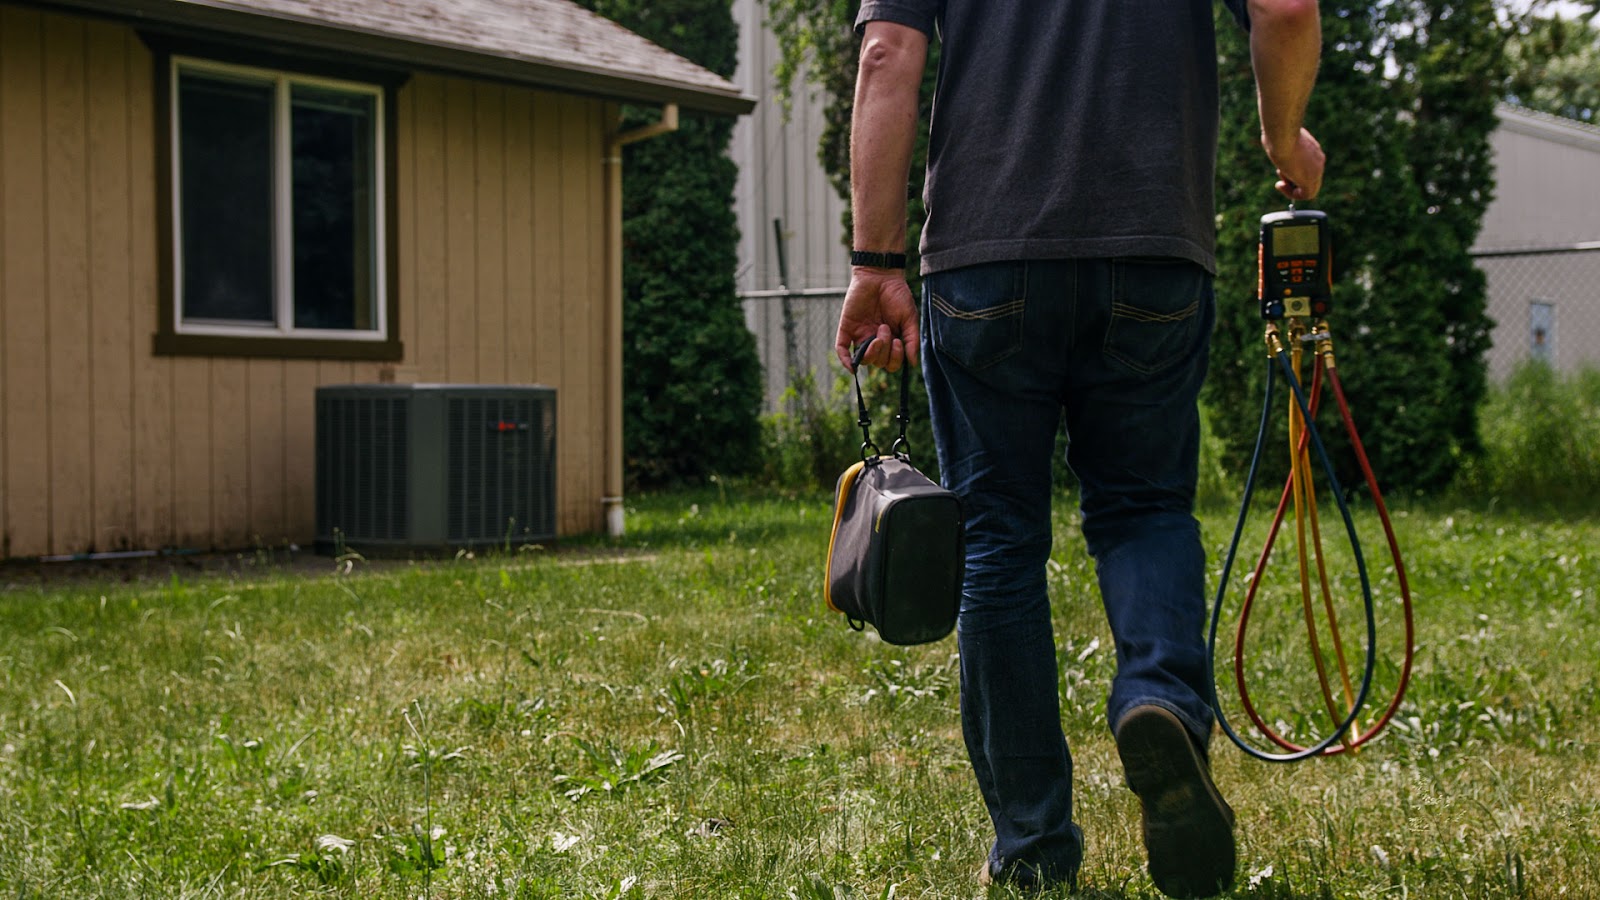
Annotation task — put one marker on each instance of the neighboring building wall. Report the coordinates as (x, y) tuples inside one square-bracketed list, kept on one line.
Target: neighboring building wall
[(780, 177), (104, 446), (1546, 173)]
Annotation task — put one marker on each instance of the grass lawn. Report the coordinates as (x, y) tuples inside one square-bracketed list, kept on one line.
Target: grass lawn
[(678, 716)]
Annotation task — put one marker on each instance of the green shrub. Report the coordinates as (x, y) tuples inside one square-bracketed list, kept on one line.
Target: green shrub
[(808, 447), (691, 376), (820, 438), (1541, 437)]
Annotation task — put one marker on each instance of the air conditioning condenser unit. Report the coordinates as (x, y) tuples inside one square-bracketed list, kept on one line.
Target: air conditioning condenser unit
[(432, 466)]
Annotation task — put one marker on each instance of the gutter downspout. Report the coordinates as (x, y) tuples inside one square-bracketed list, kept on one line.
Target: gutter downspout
[(611, 502)]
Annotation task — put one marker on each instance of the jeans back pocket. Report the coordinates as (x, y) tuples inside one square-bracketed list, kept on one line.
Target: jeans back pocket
[(975, 313), (1160, 309)]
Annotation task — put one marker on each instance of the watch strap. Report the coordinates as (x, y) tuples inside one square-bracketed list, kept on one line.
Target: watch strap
[(877, 260)]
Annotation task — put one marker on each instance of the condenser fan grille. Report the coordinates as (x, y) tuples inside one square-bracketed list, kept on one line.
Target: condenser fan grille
[(495, 491), (364, 484), (435, 465)]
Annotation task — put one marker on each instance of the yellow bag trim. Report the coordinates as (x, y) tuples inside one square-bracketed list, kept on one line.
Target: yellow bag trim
[(846, 482)]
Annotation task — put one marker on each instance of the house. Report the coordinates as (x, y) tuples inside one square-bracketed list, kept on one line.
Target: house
[(1540, 243), (208, 208)]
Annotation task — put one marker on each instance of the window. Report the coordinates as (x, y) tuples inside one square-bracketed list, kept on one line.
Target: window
[(278, 212), (1542, 331)]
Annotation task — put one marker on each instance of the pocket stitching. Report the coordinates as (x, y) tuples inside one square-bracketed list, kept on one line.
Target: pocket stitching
[(1127, 312), (1139, 314), (1007, 315), (990, 313)]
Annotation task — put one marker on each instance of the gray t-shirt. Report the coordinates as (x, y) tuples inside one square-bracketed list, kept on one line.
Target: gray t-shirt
[(1068, 128)]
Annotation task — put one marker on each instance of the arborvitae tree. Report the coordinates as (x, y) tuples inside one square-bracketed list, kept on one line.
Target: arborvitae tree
[(691, 375), (1404, 107)]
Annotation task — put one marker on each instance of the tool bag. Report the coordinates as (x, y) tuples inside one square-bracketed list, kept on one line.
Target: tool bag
[(898, 551)]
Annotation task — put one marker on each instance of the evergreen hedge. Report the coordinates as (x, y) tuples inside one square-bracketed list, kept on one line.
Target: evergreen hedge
[(691, 376), (1404, 107)]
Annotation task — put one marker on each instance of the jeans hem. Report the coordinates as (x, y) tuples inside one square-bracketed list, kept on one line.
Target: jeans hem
[(1200, 731)]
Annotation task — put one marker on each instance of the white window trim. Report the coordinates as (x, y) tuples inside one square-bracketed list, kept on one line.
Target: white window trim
[(283, 235)]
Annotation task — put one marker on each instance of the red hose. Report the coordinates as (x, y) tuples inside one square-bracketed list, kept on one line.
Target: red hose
[(1394, 551)]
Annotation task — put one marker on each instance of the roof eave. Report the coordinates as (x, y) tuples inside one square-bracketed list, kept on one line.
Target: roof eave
[(192, 16), (1549, 127)]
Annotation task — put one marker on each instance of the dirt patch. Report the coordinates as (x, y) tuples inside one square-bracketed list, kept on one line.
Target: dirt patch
[(160, 567)]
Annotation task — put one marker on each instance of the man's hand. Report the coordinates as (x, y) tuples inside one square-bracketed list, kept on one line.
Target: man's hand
[(878, 305), (1299, 163)]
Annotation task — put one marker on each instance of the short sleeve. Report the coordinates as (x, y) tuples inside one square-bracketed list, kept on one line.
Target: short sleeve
[(1240, 12), (919, 14)]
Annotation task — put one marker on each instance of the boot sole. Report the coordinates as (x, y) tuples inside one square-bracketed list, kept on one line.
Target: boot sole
[(1188, 827)]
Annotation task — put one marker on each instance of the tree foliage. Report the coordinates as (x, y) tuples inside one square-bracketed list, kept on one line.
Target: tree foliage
[(1555, 67), (691, 376), (1404, 106)]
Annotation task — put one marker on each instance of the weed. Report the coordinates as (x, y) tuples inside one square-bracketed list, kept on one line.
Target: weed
[(418, 855), (614, 769), (704, 683), (87, 845), (328, 861), (899, 683)]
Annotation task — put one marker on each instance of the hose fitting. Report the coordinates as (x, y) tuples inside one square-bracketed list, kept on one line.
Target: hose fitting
[(1274, 341), (1324, 336)]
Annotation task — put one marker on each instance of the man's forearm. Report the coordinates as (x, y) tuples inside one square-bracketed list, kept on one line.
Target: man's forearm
[(882, 133), (1285, 48)]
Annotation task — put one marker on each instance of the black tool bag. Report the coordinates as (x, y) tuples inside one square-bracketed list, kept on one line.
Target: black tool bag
[(898, 554)]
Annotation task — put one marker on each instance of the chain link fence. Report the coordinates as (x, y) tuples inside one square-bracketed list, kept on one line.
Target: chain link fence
[(794, 332), (1545, 303)]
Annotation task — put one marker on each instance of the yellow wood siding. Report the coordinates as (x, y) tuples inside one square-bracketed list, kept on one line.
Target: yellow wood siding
[(104, 446), (24, 466)]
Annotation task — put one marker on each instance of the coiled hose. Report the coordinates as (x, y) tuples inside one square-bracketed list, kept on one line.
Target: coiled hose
[(1299, 489)]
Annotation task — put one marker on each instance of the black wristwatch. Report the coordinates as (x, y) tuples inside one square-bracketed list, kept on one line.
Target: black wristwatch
[(877, 260)]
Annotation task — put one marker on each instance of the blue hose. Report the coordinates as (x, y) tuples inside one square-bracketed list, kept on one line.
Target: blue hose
[(1233, 549)]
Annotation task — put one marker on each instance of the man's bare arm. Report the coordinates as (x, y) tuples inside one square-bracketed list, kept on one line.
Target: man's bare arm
[(1285, 49), (878, 303)]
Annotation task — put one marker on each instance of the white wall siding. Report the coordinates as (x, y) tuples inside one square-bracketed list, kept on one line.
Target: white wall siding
[(1547, 197), (781, 178)]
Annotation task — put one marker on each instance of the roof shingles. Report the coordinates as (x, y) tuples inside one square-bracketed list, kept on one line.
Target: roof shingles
[(555, 43), (548, 31)]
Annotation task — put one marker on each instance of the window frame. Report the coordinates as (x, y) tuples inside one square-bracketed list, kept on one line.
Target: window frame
[(1542, 349), (174, 335)]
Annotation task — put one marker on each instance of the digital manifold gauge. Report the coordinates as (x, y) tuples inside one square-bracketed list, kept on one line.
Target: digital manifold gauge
[(1294, 265)]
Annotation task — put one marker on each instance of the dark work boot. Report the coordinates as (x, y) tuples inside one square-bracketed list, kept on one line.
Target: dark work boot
[(1188, 827)]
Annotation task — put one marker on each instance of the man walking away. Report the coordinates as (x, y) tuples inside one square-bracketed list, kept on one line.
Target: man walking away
[(1068, 259)]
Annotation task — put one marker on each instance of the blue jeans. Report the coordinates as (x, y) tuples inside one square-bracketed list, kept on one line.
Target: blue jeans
[(1119, 347)]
